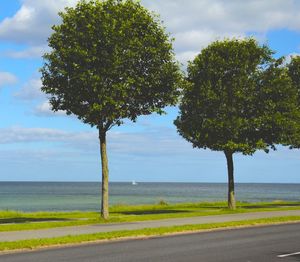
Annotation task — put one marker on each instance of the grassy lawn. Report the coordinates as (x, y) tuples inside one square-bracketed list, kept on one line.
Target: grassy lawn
[(147, 232), (13, 220)]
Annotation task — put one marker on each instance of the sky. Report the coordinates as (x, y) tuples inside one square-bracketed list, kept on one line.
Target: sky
[(39, 145)]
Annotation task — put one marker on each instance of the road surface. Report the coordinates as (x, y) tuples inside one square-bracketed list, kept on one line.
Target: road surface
[(258, 244)]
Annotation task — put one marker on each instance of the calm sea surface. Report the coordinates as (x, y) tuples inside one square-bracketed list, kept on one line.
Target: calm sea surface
[(38, 196)]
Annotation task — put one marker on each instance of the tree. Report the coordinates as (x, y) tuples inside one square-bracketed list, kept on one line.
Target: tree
[(110, 60), (293, 140), (237, 100)]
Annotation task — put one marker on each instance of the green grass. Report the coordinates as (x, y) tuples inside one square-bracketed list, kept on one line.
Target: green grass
[(38, 243), (14, 221)]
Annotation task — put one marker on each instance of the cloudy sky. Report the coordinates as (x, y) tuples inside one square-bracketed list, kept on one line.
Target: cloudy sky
[(38, 145)]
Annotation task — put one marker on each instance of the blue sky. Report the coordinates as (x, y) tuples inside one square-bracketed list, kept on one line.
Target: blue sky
[(38, 145)]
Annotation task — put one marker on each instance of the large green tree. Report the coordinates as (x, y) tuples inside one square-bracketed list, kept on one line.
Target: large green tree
[(237, 100), (110, 60), (293, 140)]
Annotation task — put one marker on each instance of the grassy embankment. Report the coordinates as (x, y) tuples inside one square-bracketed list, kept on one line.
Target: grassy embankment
[(12, 220), (142, 233)]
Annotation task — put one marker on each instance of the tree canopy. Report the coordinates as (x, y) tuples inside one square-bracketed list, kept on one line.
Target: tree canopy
[(239, 99), (294, 72), (110, 60)]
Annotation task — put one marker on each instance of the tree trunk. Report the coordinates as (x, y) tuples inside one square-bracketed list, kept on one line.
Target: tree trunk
[(104, 163), (231, 198)]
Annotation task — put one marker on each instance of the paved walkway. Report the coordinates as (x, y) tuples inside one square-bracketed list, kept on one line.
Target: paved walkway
[(88, 229)]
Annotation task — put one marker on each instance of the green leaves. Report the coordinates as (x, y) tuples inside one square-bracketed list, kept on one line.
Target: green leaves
[(110, 60), (293, 137), (240, 98)]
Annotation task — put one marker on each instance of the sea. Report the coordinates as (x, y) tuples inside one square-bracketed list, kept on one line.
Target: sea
[(85, 196)]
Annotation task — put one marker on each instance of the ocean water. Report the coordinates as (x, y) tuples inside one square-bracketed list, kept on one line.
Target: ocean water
[(85, 196)]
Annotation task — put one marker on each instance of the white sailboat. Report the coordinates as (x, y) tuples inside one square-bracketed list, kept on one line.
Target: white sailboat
[(134, 183)]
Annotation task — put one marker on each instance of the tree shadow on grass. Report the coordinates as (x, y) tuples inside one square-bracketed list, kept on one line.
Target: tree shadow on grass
[(210, 207), (274, 205), (16, 220), (152, 212)]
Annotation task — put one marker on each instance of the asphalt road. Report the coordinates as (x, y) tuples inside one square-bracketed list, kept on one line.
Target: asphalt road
[(249, 245)]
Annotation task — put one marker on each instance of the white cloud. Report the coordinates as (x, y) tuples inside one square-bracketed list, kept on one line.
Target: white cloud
[(31, 52), (195, 40), (186, 56), (228, 16), (31, 90), (32, 22), (44, 109), (193, 23), (26, 135), (159, 142), (7, 78), (154, 143), (289, 57)]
